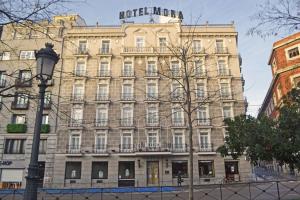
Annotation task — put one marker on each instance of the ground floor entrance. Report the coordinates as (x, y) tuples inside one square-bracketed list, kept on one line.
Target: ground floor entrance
[(232, 171), (152, 173)]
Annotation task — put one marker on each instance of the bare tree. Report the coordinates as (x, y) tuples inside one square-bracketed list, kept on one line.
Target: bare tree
[(274, 17)]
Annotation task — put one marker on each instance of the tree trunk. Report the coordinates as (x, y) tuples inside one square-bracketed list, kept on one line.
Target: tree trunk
[(191, 167)]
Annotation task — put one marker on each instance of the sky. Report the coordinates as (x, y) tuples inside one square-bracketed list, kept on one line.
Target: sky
[(254, 50)]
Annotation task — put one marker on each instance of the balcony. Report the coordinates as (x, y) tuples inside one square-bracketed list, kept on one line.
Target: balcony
[(152, 97), (73, 149), (22, 82), (47, 105), (102, 98), (175, 73), (226, 97), (200, 73), (105, 52), (126, 148), (104, 73), (81, 52), (101, 123), (151, 147), (137, 50), (161, 50), (224, 72), (80, 72), (201, 97), (100, 149), (45, 128), (222, 50), (19, 106), (2, 83), (75, 123), (178, 123), (127, 73), (177, 97), (128, 122), (127, 97), (203, 122), (16, 128), (76, 98), (205, 147), (152, 122), (151, 74), (179, 148), (198, 51)]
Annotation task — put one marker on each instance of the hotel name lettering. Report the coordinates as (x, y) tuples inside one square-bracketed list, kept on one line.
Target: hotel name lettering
[(150, 11)]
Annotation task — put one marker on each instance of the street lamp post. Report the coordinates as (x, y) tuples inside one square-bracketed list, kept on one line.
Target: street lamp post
[(46, 59)]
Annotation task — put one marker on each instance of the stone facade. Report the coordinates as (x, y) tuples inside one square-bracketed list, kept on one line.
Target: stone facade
[(90, 51)]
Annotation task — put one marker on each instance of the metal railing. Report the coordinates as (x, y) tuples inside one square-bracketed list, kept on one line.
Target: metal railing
[(203, 121), (82, 51), (75, 123), (101, 122), (198, 51), (102, 97), (205, 147), (128, 122), (100, 149), (127, 96), (77, 97), (23, 82), (151, 96), (127, 73), (105, 51), (222, 50), (104, 73), (80, 72), (224, 72), (73, 149), (21, 106), (266, 190), (150, 73)]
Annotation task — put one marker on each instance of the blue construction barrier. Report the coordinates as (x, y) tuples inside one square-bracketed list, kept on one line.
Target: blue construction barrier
[(97, 190)]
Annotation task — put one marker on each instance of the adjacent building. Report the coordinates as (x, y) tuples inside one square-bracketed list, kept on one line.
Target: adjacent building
[(115, 116), (285, 65), (18, 104)]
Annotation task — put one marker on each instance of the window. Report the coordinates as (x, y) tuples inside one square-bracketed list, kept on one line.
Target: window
[(105, 47), (47, 100), (100, 142), (152, 115), (200, 91), (21, 100), (178, 140), (43, 146), (99, 170), (45, 119), (127, 91), (126, 141), (196, 46), (77, 113), (222, 68), (225, 91), (206, 168), (127, 116), (204, 140), (102, 92), (74, 143), (175, 68), (128, 69), (151, 69), (202, 116), (177, 91), (25, 55), (2, 79), (152, 90), (82, 47), (227, 112), (180, 168), (14, 146), (294, 52), (19, 119), (279, 91), (80, 68), (101, 117), (139, 42), (177, 117), (6, 55), (104, 71), (126, 170), (152, 139), (199, 68), (73, 170), (220, 46), (162, 44), (25, 75), (78, 94)]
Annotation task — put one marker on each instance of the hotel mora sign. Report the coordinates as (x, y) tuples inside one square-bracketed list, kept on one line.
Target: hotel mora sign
[(150, 11)]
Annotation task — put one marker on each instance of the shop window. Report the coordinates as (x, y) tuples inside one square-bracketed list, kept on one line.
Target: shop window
[(180, 167), (206, 169), (126, 170), (73, 170), (99, 170)]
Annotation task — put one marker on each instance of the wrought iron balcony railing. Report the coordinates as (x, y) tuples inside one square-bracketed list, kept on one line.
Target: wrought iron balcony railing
[(20, 106), (222, 50), (101, 122), (203, 122), (206, 147), (127, 97), (105, 51), (73, 149)]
